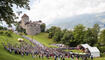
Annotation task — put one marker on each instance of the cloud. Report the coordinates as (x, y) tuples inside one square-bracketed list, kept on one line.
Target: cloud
[(50, 10)]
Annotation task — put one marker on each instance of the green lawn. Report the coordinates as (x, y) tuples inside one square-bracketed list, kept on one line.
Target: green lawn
[(43, 38), (13, 39), (75, 51), (4, 55)]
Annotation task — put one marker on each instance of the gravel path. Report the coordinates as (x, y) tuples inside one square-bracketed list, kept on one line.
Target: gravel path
[(34, 41)]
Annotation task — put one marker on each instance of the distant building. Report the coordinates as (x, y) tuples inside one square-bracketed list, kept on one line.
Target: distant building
[(32, 28)]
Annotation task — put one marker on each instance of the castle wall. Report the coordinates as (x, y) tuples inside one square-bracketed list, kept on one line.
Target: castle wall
[(32, 28)]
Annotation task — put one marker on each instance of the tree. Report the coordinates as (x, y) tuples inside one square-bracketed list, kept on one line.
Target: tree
[(78, 34), (67, 38), (51, 31), (3, 28), (43, 26), (50, 35), (58, 35), (102, 37), (101, 41), (95, 31), (6, 9), (89, 37)]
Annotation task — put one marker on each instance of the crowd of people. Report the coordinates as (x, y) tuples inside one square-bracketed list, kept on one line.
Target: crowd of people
[(27, 49)]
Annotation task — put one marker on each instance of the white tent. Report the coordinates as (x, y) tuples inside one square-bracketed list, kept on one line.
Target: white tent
[(85, 46), (93, 50)]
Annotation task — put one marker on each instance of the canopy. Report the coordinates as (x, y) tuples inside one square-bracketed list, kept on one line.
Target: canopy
[(93, 50), (85, 46)]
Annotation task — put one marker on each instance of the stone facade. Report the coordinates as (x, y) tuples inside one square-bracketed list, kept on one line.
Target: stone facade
[(32, 28)]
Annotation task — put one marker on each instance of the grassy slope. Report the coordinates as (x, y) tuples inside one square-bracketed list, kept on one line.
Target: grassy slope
[(76, 51), (43, 38), (4, 55)]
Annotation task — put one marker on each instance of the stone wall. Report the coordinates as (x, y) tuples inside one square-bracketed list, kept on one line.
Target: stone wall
[(32, 28)]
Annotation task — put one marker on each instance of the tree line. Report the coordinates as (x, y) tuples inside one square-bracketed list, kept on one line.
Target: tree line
[(79, 35)]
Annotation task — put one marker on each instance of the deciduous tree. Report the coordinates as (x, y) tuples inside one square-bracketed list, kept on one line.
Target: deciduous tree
[(6, 9)]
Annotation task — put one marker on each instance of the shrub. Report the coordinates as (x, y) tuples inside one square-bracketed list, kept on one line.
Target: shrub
[(1, 32), (102, 48), (8, 34)]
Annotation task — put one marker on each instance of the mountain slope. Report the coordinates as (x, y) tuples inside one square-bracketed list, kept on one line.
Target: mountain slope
[(87, 20)]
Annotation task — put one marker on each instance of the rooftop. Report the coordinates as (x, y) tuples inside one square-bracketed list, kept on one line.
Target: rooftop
[(25, 15)]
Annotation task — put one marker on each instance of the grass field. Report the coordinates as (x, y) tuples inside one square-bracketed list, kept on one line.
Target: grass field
[(43, 38), (75, 51), (5, 55)]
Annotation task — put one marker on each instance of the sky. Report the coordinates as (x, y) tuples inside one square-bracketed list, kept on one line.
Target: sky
[(51, 10)]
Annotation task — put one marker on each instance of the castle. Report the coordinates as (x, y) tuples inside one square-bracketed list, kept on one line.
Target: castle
[(32, 28)]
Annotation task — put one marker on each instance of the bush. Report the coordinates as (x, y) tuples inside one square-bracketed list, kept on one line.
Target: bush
[(102, 48), (47, 31), (1, 32), (102, 54), (3, 28), (43, 26), (8, 34)]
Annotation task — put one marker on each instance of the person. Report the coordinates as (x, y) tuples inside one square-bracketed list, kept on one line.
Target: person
[(59, 57), (63, 58), (91, 57), (47, 55), (26, 53), (55, 57), (10, 50), (16, 52), (22, 54), (39, 55), (77, 57)]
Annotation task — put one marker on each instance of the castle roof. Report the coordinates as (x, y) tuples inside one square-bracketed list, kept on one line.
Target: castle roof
[(25, 15)]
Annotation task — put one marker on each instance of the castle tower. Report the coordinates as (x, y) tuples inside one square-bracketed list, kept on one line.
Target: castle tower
[(25, 19), (32, 28)]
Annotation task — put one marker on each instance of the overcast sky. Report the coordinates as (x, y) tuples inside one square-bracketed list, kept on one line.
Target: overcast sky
[(50, 10)]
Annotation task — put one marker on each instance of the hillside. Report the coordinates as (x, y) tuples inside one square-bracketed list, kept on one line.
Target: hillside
[(5, 55), (42, 37)]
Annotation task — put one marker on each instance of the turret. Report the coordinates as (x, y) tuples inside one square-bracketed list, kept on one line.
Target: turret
[(25, 19)]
